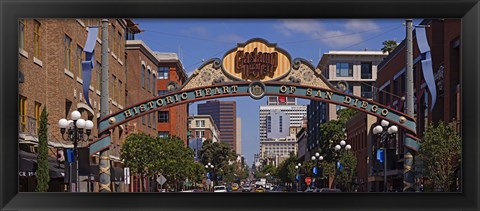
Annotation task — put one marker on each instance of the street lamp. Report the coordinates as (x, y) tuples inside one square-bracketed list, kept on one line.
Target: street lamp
[(299, 183), (317, 158), (209, 168), (384, 133), (338, 149), (73, 130)]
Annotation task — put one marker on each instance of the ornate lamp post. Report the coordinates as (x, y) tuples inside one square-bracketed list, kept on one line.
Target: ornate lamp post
[(73, 130), (209, 168), (338, 149), (317, 158), (299, 183), (384, 133)]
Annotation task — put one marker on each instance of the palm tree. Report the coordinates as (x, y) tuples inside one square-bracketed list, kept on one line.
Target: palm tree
[(389, 45)]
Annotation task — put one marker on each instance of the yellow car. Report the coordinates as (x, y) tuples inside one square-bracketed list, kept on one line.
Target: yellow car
[(260, 190), (235, 187)]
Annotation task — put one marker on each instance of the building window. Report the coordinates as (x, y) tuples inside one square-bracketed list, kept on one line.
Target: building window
[(149, 123), (119, 46), (79, 61), (153, 119), (67, 42), (114, 88), (200, 134), (163, 72), (22, 25), (200, 123), (269, 124), (402, 84), (99, 75), (163, 134), (36, 40), (366, 70), (22, 113), (395, 86), (163, 116), (162, 92), (38, 111), (143, 76), (148, 80), (120, 92), (387, 94), (344, 70), (153, 84), (114, 39), (143, 120), (280, 118), (366, 91)]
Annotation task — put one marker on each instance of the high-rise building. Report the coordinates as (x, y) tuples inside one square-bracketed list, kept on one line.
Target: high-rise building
[(239, 136), (356, 69), (203, 127), (224, 114), (280, 120)]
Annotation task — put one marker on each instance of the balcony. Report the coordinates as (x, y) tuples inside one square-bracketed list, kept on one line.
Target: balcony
[(367, 95)]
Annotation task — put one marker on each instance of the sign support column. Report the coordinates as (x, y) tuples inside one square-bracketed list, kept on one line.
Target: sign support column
[(408, 174), (104, 154)]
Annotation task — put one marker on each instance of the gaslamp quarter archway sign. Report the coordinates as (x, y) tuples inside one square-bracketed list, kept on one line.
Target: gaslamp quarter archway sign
[(255, 68)]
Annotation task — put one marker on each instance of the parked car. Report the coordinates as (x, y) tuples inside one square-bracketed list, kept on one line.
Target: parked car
[(246, 188), (220, 189), (328, 190), (278, 189), (234, 187), (260, 190)]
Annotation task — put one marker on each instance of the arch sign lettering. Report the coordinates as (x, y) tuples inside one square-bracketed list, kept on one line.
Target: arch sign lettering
[(256, 68)]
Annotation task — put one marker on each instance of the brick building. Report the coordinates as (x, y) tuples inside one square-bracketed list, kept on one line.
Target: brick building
[(171, 75), (141, 80), (50, 55), (444, 39)]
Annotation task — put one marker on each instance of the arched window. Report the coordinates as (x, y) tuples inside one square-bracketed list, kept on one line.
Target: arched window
[(148, 80), (143, 76), (153, 84)]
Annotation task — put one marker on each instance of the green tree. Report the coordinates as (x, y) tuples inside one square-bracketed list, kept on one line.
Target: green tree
[(345, 176), (332, 132), (176, 162), (286, 171), (389, 46), (441, 154), (42, 173), (140, 153), (220, 155)]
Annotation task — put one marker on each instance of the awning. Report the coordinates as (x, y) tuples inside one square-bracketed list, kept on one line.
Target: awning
[(27, 165)]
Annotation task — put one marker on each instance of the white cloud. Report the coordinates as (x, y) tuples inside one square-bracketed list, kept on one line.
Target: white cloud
[(361, 25), (231, 38), (196, 30), (335, 38)]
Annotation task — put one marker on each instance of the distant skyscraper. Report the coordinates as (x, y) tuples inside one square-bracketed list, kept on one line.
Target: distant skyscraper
[(279, 120), (224, 114), (239, 136)]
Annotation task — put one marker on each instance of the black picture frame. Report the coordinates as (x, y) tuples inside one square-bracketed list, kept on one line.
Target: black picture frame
[(468, 10)]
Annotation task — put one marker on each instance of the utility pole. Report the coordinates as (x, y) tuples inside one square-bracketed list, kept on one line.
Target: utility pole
[(104, 154), (408, 174)]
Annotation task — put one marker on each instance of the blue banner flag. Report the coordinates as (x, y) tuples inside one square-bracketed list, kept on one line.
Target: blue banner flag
[(380, 155), (427, 66), (88, 64), (315, 170)]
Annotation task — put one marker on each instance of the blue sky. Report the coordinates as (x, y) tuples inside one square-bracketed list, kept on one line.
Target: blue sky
[(195, 40)]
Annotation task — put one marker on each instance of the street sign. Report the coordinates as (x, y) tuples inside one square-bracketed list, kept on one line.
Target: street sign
[(161, 179), (315, 170), (308, 180)]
